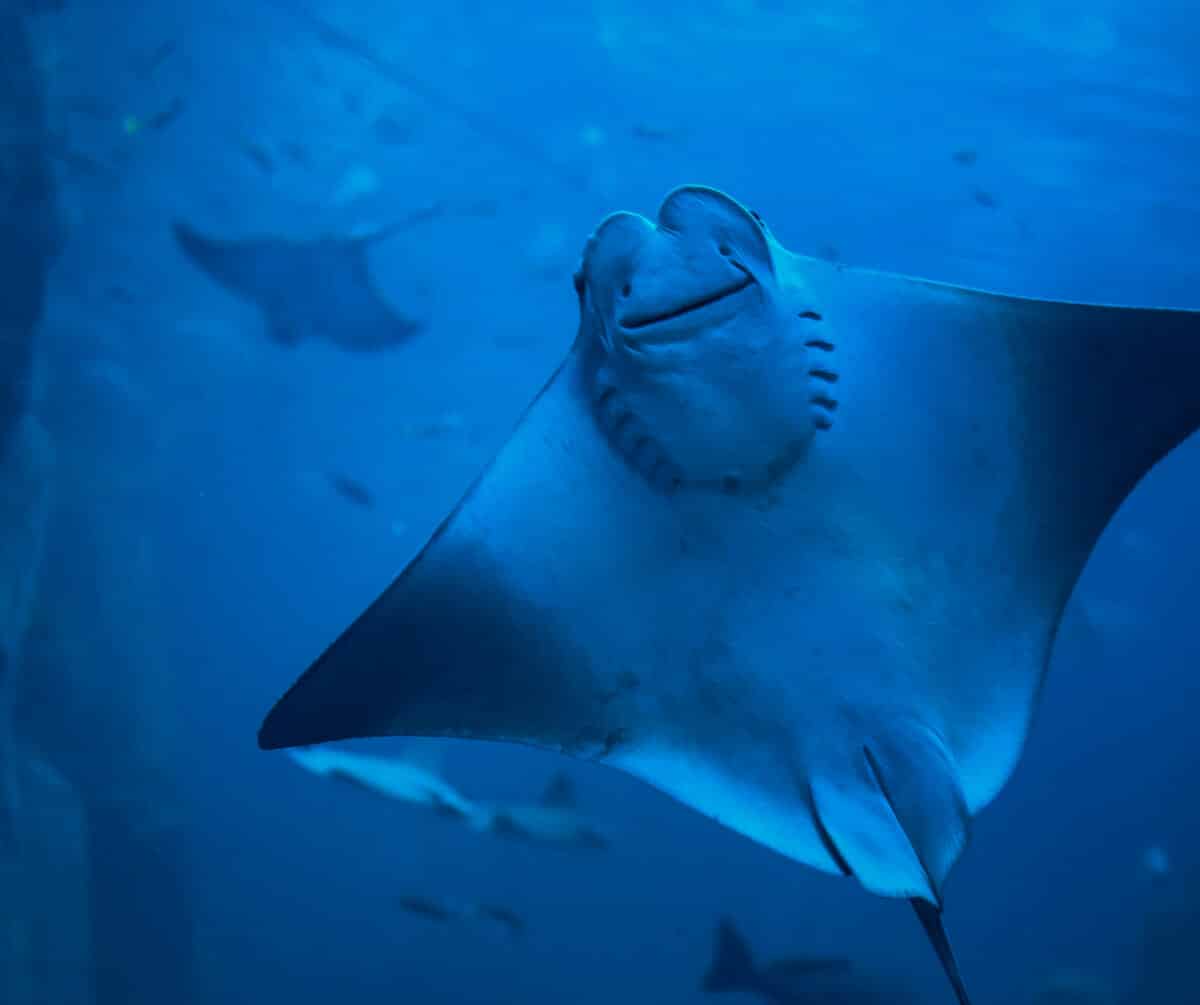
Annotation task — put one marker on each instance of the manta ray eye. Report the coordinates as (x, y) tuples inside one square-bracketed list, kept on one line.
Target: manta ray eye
[(577, 279), (758, 219)]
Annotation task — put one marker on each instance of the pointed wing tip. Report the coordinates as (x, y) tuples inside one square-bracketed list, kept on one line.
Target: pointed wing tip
[(272, 737), (267, 740), (286, 726), (283, 729)]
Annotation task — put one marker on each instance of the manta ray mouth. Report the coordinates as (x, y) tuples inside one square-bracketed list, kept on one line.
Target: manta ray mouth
[(641, 323)]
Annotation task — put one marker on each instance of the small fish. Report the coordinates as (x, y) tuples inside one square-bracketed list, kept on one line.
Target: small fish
[(655, 134), (504, 915), (259, 155), (390, 130), (154, 61), (424, 907), (133, 124), (352, 490), (168, 115), (792, 981), (441, 912)]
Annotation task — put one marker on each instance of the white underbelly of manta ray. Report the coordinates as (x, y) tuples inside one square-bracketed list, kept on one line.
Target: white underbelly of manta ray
[(786, 540)]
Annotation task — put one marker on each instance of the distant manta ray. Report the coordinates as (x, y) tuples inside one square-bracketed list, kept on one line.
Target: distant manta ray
[(823, 620), (304, 289)]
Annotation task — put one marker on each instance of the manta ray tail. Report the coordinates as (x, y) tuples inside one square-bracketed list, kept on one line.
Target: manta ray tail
[(895, 818), (930, 916)]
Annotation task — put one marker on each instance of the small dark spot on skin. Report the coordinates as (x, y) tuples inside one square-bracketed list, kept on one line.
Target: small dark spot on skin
[(626, 290), (822, 422), (817, 343), (811, 316), (965, 157), (985, 199), (725, 250)]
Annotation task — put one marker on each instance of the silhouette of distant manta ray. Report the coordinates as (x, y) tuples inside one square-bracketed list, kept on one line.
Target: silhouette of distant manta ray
[(789, 541), (307, 288)]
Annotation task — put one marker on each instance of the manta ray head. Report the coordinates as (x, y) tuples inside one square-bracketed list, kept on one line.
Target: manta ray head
[(708, 370)]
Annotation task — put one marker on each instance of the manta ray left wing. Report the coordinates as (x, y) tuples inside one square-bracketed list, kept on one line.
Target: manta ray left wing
[(788, 541)]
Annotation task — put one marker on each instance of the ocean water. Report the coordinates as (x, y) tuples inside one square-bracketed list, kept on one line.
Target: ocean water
[(195, 507)]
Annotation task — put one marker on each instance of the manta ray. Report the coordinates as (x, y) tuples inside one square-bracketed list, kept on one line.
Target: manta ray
[(306, 288), (789, 541)]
